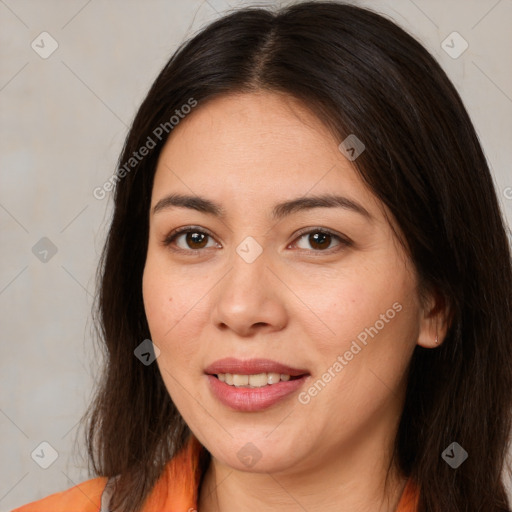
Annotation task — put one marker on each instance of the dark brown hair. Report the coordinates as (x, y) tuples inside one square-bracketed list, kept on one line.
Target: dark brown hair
[(361, 74)]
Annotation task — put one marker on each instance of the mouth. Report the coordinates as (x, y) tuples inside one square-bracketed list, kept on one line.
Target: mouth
[(253, 385)]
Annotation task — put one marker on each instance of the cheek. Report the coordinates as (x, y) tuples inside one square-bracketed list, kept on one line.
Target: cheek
[(157, 301), (369, 314), (162, 302), (169, 309), (376, 324)]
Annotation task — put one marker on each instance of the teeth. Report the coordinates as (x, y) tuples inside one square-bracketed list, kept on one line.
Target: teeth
[(257, 381), (273, 378), (240, 380), (252, 381)]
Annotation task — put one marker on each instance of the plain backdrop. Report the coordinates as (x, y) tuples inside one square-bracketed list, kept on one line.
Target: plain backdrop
[(64, 117)]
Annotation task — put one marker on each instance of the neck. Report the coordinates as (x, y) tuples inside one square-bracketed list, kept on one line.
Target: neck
[(349, 480)]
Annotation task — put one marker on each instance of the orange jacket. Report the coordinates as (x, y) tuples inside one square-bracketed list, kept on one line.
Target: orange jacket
[(175, 491)]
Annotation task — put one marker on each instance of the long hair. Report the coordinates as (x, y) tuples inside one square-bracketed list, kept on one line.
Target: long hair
[(360, 74)]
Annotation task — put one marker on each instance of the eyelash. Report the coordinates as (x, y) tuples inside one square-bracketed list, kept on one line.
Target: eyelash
[(171, 237)]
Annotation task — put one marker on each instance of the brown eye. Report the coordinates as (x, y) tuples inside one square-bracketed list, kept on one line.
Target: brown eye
[(320, 240), (193, 239)]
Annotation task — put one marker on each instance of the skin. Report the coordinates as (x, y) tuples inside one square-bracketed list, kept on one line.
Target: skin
[(297, 303)]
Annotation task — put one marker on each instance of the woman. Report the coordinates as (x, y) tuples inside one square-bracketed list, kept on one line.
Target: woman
[(305, 291)]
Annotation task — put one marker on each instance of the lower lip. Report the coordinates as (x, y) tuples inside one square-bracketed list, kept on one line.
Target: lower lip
[(253, 399)]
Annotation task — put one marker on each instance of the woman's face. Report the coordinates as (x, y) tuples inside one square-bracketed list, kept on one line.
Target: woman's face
[(321, 287)]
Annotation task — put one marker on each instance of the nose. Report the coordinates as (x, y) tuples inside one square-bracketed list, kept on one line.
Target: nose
[(249, 299)]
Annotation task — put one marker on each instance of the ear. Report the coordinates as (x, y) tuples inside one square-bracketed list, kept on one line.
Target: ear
[(435, 320)]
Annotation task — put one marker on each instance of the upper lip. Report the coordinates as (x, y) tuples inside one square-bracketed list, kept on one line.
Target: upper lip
[(252, 367)]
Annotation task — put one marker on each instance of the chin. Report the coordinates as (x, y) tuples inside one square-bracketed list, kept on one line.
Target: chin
[(257, 456), (273, 465)]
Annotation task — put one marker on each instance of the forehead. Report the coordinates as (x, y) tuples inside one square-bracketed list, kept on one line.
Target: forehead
[(252, 146)]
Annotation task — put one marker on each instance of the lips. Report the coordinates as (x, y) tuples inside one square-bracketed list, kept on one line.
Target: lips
[(253, 399), (252, 367)]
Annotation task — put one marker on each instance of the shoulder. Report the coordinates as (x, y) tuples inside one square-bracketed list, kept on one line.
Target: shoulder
[(84, 497)]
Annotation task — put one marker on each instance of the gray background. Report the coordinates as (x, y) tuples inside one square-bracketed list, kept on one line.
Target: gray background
[(63, 122)]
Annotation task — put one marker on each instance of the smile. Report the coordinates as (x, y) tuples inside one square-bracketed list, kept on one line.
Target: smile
[(253, 381), (253, 385)]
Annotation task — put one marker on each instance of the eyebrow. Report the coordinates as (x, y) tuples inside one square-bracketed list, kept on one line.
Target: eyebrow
[(279, 211)]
